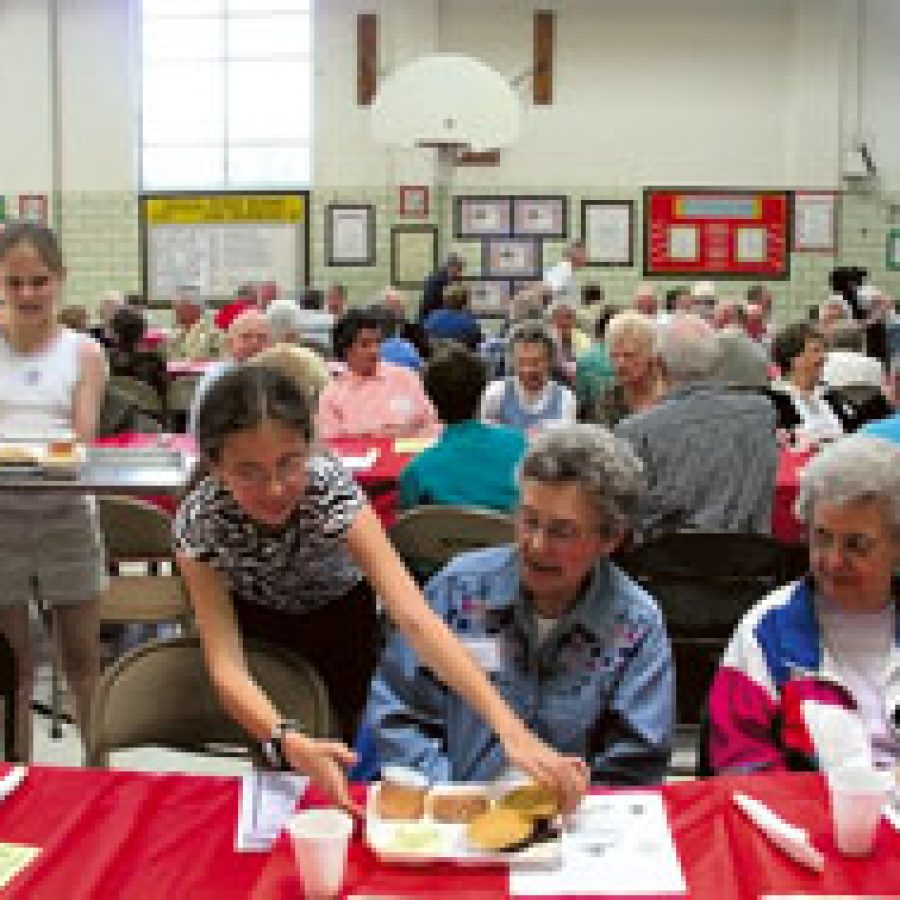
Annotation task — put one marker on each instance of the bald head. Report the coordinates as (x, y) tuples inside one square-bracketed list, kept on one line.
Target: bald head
[(394, 300), (248, 334)]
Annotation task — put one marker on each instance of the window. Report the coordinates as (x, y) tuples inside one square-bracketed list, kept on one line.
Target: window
[(226, 94)]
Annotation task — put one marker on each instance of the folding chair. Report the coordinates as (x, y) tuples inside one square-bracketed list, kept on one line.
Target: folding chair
[(134, 532), (142, 395), (8, 693), (160, 694), (428, 537), (704, 583)]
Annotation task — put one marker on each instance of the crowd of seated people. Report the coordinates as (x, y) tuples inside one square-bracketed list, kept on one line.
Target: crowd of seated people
[(568, 673)]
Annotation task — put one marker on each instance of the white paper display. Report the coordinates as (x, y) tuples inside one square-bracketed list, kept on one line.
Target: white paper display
[(620, 844)]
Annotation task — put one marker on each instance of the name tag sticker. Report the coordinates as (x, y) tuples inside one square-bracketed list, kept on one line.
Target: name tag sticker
[(401, 405), (486, 651)]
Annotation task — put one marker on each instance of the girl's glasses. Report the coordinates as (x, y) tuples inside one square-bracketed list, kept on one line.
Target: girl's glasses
[(289, 473)]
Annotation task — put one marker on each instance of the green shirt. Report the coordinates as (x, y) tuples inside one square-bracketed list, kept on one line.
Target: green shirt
[(593, 376), (472, 464)]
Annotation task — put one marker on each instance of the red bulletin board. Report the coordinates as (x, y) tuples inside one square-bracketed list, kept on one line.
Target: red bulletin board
[(712, 231)]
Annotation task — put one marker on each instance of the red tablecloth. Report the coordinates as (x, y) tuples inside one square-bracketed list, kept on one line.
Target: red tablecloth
[(379, 481), (785, 525), (106, 834)]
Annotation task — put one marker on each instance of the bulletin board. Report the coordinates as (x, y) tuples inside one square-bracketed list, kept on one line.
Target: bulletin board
[(217, 242), (717, 232)]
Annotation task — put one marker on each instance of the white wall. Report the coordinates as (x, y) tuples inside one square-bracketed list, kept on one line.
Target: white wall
[(646, 91), (881, 82), (25, 145), (97, 69)]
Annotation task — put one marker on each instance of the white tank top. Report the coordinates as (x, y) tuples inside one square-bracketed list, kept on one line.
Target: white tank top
[(37, 390), (37, 393)]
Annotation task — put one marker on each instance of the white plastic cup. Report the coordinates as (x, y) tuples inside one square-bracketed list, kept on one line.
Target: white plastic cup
[(858, 795), (320, 838)]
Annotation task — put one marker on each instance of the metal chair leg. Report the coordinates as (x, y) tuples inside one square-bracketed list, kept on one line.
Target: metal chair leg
[(55, 688)]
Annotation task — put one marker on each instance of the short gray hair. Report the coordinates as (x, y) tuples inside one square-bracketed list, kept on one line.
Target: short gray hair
[(858, 468), (532, 332), (688, 347), (633, 324), (283, 320), (591, 456)]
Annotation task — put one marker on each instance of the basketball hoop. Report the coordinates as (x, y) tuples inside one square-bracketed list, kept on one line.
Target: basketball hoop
[(453, 104), (446, 101)]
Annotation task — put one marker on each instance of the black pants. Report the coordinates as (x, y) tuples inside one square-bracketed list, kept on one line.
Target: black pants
[(339, 639)]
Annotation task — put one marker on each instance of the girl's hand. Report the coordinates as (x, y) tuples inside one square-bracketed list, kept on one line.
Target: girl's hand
[(325, 763), (566, 776)]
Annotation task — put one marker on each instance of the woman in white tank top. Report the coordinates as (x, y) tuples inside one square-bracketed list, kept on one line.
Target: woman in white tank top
[(51, 385)]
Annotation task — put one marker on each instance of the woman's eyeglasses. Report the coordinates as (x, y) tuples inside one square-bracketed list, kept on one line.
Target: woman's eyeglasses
[(854, 546), (556, 532)]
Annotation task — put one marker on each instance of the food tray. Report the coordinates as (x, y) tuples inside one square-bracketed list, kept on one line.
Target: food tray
[(43, 463), (394, 841), (127, 457)]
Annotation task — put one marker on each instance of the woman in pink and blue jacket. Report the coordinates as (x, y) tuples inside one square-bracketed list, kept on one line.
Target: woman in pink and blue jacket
[(832, 637)]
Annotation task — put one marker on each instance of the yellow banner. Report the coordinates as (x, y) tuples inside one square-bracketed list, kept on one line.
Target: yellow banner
[(193, 209)]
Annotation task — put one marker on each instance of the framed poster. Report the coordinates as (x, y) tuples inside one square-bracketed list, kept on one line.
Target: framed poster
[(489, 296), (482, 217), (814, 222), (216, 242), (720, 232), (414, 254), (893, 249), (33, 207), (511, 258), (414, 201), (540, 216), (607, 229), (349, 234)]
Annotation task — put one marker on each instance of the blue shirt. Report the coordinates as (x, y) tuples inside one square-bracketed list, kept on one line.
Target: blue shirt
[(600, 686), (454, 324), (888, 428), (444, 474)]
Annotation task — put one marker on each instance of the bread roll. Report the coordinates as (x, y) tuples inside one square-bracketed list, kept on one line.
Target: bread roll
[(400, 802), (458, 807)]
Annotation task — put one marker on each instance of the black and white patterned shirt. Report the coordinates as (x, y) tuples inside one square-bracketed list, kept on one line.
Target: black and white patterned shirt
[(297, 568)]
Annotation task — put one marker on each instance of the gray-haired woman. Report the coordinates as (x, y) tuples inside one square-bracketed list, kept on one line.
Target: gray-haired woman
[(575, 647), (528, 399), (830, 638)]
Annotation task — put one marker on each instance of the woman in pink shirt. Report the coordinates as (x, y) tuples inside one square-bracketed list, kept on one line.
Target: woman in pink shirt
[(371, 397)]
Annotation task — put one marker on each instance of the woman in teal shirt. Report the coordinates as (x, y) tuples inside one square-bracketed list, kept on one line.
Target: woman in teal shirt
[(472, 464)]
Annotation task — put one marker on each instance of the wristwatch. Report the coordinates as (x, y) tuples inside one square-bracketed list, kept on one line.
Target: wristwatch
[(273, 748)]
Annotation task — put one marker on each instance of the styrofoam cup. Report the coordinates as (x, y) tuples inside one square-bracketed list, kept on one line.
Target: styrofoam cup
[(320, 838), (858, 795)]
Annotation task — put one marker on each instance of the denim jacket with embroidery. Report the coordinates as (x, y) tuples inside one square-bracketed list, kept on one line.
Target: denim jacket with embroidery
[(601, 685)]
